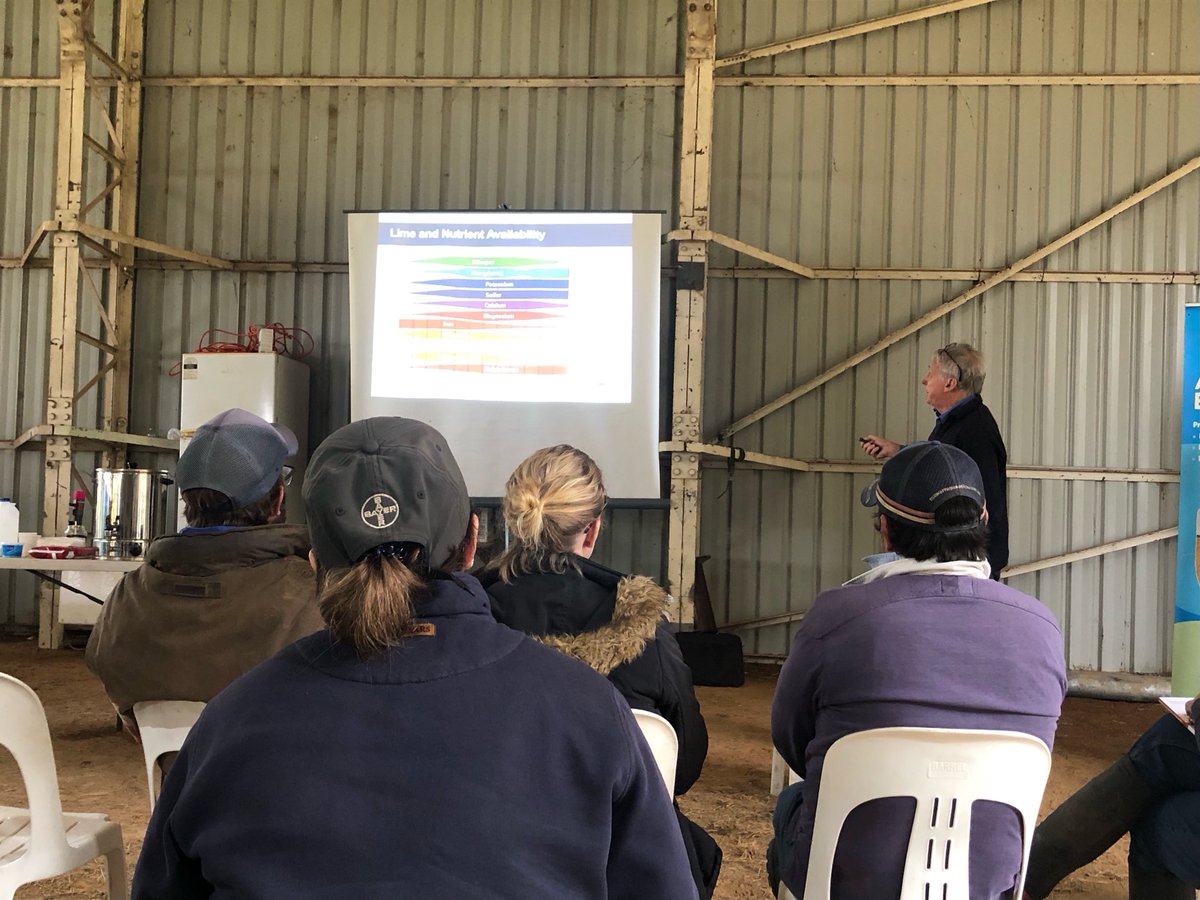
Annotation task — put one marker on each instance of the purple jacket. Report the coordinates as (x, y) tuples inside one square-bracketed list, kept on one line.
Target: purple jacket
[(937, 651)]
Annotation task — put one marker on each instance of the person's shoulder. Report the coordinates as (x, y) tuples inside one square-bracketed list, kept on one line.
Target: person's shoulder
[(562, 682), (130, 591), (127, 580), (287, 540), (553, 674), (280, 674), (998, 592), (599, 573), (835, 607), (534, 656), (977, 412), (838, 607)]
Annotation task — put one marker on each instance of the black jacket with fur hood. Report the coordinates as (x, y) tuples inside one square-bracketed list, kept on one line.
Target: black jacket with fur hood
[(617, 625)]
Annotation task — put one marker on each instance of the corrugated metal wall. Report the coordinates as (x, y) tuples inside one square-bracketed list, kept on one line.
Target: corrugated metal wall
[(1082, 375), (265, 173), (838, 176), (28, 126)]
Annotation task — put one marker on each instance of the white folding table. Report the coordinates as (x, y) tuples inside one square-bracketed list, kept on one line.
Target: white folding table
[(92, 576)]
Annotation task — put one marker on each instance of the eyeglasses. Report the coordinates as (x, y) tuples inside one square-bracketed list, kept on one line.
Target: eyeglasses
[(286, 474), (946, 352)]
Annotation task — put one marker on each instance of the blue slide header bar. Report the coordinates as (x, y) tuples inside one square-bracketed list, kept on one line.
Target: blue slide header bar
[(530, 234)]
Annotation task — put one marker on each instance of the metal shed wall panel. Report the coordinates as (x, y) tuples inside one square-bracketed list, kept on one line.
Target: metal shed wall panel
[(28, 122), (896, 176), (946, 177), (29, 31), (265, 173)]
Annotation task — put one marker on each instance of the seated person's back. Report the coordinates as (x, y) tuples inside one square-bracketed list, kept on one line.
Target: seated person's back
[(926, 640), (546, 585), (224, 594)]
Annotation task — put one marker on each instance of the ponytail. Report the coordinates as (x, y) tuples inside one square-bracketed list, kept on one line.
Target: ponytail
[(370, 605)]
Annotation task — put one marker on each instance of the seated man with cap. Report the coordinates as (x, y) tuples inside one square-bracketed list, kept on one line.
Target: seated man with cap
[(926, 640), (225, 593)]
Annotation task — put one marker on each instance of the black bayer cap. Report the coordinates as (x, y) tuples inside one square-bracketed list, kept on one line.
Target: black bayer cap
[(920, 478), (384, 480)]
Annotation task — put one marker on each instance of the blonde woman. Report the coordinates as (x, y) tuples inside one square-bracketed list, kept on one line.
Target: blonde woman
[(546, 585), (414, 748)]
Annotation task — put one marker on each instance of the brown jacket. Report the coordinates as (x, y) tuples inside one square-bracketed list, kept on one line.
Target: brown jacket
[(203, 609)]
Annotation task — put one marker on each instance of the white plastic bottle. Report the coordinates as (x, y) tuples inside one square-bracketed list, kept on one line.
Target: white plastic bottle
[(10, 521)]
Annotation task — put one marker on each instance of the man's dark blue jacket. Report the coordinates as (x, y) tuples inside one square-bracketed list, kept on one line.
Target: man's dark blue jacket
[(471, 762), (971, 428)]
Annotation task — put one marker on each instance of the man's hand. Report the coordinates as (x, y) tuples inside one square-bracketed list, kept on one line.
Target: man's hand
[(1190, 709), (879, 447)]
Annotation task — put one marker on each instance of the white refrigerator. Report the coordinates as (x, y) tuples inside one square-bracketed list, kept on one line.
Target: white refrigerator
[(269, 385)]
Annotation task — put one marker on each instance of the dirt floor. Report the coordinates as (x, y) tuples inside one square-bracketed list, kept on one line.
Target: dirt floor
[(100, 770)]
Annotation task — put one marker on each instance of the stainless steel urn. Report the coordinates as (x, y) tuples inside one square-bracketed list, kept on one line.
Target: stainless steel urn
[(131, 510)]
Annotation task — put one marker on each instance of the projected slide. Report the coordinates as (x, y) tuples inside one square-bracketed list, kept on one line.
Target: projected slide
[(523, 311), (510, 330)]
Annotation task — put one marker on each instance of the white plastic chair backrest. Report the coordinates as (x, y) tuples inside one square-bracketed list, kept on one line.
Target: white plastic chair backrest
[(946, 770), (163, 725), (664, 744), (23, 730)]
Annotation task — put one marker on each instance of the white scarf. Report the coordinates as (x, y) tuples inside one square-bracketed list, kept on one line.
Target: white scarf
[(905, 566)]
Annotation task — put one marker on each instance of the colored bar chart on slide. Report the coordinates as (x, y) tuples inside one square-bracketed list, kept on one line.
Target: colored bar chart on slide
[(541, 312)]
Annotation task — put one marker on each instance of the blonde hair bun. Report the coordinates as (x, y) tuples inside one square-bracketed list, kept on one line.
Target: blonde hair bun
[(524, 511), (550, 498)]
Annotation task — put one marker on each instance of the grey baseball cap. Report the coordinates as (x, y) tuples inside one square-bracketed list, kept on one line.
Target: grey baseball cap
[(380, 481), (236, 453), (920, 478)]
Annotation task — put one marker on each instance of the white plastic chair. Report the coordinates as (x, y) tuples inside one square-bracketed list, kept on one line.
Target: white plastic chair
[(163, 725), (43, 841), (946, 770), (664, 744)]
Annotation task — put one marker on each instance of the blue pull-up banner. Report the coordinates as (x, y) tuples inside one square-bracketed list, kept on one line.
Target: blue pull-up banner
[(1185, 670)]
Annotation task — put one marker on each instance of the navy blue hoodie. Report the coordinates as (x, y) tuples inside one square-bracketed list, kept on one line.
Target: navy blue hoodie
[(471, 762)]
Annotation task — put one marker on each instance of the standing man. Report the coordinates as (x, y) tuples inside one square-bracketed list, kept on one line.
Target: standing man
[(952, 385), (225, 593), (924, 641)]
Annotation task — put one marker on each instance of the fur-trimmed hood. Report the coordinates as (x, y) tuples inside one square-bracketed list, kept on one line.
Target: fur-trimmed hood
[(639, 608), (598, 615)]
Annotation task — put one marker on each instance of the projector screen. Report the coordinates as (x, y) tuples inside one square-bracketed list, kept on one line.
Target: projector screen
[(511, 331)]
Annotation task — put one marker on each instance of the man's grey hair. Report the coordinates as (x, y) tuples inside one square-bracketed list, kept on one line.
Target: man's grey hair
[(963, 363)]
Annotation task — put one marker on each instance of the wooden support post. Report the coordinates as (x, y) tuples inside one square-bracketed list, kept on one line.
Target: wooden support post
[(695, 169), (64, 291), (128, 120), (858, 28), (70, 234)]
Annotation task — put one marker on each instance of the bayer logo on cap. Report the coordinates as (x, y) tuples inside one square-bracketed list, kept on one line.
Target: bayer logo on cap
[(380, 510)]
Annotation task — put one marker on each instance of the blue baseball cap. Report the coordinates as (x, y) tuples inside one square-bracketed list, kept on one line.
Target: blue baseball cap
[(920, 478), (237, 454)]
